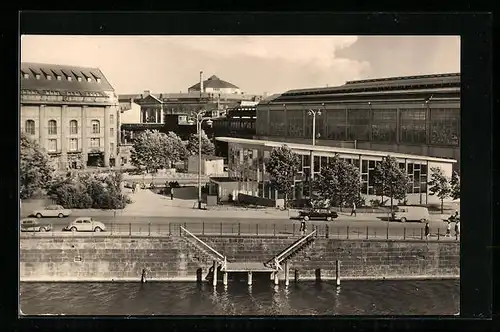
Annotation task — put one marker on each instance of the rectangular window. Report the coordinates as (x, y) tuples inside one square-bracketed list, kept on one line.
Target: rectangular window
[(324, 162), (277, 123), (412, 125), (364, 166), (336, 124), (112, 131), (307, 161), (95, 142), (52, 145), (112, 147), (112, 118), (316, 164), (445, 126), (359, 124), (384, 125), (295, 121), (73, 144), (371, 164)]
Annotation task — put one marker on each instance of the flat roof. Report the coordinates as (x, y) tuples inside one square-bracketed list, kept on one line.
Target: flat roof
[(331, 149)]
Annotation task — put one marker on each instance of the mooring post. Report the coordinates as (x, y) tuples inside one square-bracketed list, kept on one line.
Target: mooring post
[(149, 229), (249, 278), (214, 280), (337, 273), (287, 274), (296, 275), (224, 278)]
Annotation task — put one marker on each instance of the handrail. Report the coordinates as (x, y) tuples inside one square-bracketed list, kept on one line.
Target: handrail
[(281, 256), (221, 257)]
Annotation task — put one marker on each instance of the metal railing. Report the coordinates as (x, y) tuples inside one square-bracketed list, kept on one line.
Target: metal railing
[(281, 256), (221, 258), (394, 231)]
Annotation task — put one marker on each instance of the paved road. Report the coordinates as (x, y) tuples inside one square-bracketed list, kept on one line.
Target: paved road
[(233, 226)]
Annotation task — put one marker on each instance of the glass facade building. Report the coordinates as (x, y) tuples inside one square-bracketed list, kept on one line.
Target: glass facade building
[(247, 160), (413, 115)]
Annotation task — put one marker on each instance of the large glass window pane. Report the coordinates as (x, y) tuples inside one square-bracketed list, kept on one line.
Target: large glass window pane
[(364, 188), (277, 123), (364, 166), (316, 164), (336, 124), (307, 161), (371, 164), (261, 123), (384, 125), (324, 162), (295, 120), (445, 126), (423, 169), (412, 125), (359, 124)]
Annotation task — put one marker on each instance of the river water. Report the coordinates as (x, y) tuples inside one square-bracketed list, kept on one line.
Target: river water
[(422, 297)]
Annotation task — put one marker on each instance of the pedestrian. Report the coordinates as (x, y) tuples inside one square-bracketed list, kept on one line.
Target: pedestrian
[(133, 187), (353, 211), (143, 276), (457, 229), (427, 230), (302, 227), (172, 194), (448, 229)]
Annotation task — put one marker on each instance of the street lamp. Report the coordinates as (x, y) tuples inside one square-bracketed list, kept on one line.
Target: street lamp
[(199, 118), (314, 113)]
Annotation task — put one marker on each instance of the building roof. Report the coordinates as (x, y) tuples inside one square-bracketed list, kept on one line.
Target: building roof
[(451, 80), (329, 149), (82, 78), (214, 82)]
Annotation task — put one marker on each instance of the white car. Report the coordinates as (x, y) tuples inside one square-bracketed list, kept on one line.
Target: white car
[(85, 224), (52, 211)]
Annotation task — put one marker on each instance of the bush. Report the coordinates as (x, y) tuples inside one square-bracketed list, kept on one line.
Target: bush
[(89, 191), (174, 184)]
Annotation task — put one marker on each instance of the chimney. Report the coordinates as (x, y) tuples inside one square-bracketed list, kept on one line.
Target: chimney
[(201, 81), (146, 93)]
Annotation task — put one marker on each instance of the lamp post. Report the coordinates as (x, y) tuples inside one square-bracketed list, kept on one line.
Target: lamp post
[(314, 113), (199, 118)]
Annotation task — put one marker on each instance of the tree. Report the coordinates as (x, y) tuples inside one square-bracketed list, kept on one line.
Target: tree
[(153, 150), (439, 185), (455, 185), (35, 169), (338, 183), (389, 180), (283, 166), (207, 147)]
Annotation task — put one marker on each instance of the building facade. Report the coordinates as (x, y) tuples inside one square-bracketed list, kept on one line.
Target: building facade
[(72, 112), (214, 85), (410, 115), (247, 160)]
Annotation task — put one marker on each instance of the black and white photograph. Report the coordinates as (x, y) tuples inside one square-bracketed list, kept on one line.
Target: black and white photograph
[(239, 175)]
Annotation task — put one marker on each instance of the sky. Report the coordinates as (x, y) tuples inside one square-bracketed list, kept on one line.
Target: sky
[(256, 64)]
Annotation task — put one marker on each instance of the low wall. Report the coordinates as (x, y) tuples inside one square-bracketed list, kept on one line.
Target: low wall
[(255, 200), (170, 258)]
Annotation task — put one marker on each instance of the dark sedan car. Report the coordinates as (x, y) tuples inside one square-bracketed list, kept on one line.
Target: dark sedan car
[(318, 214)]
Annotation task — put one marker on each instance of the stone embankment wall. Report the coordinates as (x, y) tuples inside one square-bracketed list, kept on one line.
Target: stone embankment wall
[(171, 258)]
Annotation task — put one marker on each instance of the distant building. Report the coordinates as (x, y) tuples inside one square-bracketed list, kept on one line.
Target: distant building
[(214, 85), (72, 112), (210, 165)]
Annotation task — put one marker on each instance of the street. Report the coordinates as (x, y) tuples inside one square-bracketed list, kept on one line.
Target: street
[(341, 228)]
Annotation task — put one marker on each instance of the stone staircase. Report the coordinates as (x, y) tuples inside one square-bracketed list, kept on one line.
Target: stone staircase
[(203, 255), (301, 249)]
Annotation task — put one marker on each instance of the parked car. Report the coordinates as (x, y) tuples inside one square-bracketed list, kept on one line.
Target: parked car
[(85, 224), (33, 225), (410, 213), (52, 211), (318, 214)]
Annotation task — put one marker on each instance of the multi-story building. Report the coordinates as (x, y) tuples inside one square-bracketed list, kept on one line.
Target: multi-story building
[(409, 115), (71, 112), (215, 86)]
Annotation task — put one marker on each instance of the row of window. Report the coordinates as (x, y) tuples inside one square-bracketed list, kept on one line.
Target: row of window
[(74, 144), (30, 128), (365, 125), (68, 77)]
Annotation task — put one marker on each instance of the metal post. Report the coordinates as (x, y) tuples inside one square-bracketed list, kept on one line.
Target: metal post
[(149, 229), (129, 229), (438, 233), (249, 278), (348, 232), (169, 229), (239, 229), (387, 233), (337, 273), (214, 280), (203, 228), (274, 229), (327, 231), (297, 275), (293, 229), (367, 232), (224, 278), (198, 129), (257, 229), (221, 228), (421, 234), (287, 274), (404, 233)]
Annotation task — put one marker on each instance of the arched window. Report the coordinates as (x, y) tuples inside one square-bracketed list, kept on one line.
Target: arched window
[(96, 127), (73, 127), (52, 127), (29, 127)]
